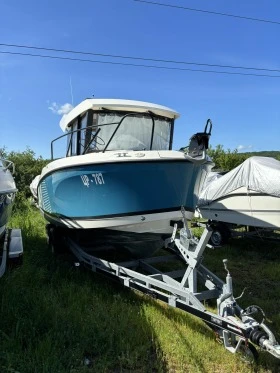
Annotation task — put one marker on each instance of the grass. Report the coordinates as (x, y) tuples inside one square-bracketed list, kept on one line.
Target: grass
[(56, 318)]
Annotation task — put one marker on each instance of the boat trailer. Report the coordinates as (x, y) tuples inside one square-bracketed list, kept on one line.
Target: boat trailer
[(11, 249), (234, 327)]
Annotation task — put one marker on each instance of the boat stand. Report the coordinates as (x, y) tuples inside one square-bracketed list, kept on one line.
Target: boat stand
[(235, 327), (12, 249)]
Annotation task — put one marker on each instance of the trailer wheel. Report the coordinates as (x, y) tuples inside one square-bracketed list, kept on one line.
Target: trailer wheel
[(55, 239), (220, 234), (216, 238)]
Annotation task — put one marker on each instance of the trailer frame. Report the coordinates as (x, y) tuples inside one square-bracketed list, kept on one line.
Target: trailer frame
[(234, 326)]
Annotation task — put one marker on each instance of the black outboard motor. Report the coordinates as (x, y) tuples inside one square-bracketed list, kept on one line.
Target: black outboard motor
[(200, 141)]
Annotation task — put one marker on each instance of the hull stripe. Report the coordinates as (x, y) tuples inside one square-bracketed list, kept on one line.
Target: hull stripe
[(136, 213)]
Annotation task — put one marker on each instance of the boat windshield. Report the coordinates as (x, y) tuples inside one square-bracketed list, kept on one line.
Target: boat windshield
[(107, 130), (119, 131)]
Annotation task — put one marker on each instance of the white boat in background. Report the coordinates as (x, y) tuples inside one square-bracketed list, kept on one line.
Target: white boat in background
[(11, 247), (248, 195), (120, 183), (7, 193)]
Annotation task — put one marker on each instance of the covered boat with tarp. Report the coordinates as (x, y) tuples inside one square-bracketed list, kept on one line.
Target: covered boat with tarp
[(247, 195)]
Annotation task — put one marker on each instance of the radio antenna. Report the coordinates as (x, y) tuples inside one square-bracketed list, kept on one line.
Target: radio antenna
[(71, 90)]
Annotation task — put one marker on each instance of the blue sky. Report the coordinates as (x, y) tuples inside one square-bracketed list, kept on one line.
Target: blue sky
[(245, 110)]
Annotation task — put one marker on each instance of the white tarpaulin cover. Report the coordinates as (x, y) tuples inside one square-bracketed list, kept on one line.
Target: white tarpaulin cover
[(260, 174), (7, 183)]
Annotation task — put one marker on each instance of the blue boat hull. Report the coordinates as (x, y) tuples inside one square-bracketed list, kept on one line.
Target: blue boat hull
[(113, 190), (108, 190)]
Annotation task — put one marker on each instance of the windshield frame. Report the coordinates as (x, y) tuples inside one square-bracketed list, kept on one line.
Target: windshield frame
[(148, 114), (125, 114)]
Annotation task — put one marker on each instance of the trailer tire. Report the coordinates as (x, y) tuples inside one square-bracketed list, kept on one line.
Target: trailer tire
[(55, 239), (220, 234), (216, 238)]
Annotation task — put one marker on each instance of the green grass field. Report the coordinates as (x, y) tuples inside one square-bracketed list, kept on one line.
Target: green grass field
[(56, 318)]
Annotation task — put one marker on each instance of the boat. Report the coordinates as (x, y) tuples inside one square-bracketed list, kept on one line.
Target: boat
[(7, 193), (11, 248), (248, 195), (120, 184)]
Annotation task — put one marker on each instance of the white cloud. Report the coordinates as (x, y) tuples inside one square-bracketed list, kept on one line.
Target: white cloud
[(244, 147), (60, 109)]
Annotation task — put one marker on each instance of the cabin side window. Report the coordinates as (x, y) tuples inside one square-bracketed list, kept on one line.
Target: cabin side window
[(84, 135), (162, 134), (90, 142), (72, 139), (74, 147)]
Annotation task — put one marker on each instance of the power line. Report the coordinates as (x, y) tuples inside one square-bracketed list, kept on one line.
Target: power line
[(136, 58), (209, 12), (138, 65)]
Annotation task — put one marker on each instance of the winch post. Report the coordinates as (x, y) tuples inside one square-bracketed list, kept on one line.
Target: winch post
[(192, 250)]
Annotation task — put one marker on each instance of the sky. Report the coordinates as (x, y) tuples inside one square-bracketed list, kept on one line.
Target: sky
[(35, 92)]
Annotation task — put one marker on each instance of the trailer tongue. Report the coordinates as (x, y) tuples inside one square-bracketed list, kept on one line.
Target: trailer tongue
[(234, 326)]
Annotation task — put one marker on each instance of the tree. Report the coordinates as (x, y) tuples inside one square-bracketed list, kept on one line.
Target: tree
[(226, 160), (27, 166)]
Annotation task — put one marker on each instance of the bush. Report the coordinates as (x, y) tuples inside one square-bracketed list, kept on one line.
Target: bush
[(27, 166), (226, 160)]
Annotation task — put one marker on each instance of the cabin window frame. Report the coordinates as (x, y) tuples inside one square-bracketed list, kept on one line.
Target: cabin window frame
[(149, 115), (74, 144), (82, 132)]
